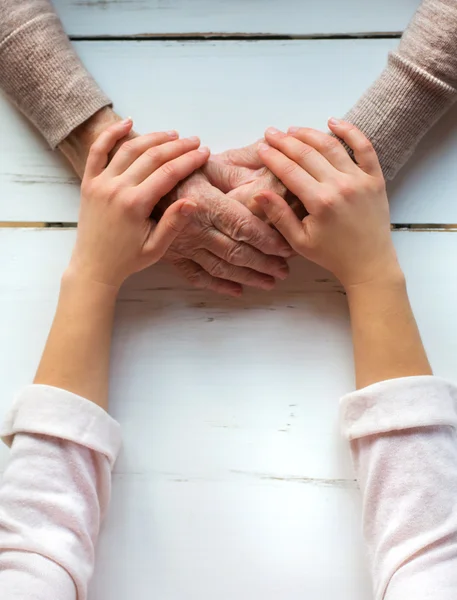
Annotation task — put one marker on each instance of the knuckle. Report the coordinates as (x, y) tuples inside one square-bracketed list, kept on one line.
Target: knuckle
[(168, 170), (242, 230), (291, 167), (378, 184), (173, 225), (345, 188), (217, 269), (364, 146), (197, 279), (236, 255), (278, 217), (152, 154), (305, 151), (326, 201), (330, 144), (130, 202), (114, 190), (87, 187), (128, 147), (97, 147)]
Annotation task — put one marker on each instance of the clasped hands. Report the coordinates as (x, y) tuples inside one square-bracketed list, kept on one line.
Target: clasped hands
[(346, 229), (227, 245)]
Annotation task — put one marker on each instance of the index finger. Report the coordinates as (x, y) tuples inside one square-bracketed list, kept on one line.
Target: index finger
[(237, 222), (364, 153), (296, 179)]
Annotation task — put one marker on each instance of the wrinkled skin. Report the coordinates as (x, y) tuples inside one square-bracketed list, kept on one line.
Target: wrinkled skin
[(227, 245)]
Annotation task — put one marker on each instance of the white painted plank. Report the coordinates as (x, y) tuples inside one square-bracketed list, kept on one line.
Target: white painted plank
[(297, 17), (215, 492), (227, 92)]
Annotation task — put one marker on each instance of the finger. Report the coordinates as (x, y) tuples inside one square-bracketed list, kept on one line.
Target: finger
[(221, 269), (130, 150), (238, 223), (200, 279), (173, 222), (364, 153), (327, 145), (100, 149), (296, 179), (241, 254), (157, 156), (162, 181), (284, 219), (304, 155)]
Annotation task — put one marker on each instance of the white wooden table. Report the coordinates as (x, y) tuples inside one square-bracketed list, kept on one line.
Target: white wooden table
[(233, 481)]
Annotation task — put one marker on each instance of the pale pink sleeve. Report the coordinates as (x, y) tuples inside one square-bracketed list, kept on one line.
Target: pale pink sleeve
[(403, 437), (54, 493)]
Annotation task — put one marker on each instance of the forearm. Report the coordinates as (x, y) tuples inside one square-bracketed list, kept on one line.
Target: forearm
[(416, 88), (77, 352), (386, 340), (40, 71), (404, 448), (55, 490)]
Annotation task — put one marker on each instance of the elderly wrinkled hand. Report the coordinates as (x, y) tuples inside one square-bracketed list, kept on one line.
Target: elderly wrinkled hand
[(225, 246)]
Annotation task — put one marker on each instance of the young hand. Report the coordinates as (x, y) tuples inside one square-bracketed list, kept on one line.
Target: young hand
[(116, 236), (347, 230)]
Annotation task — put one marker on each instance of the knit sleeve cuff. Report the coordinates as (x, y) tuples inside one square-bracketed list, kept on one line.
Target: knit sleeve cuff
[(43, 76), (50, 411), (397, 404), (398, 109)]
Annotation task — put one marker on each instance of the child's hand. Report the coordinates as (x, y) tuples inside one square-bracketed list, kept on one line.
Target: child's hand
[(347, 230), (116, 236)]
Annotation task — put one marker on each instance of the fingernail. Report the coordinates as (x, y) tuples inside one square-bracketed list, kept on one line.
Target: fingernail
[(286, 252), (194, 138), (236, 293), (268, 284), (127, 120), (333, 121), (204, 149), (262, 200), (173, 133), (273, 131), (188, 208), (263, 147), (293, 129), (283, 272)]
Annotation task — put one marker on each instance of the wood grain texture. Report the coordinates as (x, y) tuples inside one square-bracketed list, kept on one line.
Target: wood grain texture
[(228, 93), (290, 17), (233, 480)]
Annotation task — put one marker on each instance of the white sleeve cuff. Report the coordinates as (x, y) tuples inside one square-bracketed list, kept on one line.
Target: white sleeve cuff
[(397, 404), (50, 411)]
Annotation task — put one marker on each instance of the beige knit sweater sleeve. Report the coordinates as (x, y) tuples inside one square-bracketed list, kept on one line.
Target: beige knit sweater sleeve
[(416, 88), (40, 71)]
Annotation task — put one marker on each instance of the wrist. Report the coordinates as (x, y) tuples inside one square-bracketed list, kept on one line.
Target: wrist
[(76, 281), (389, 281), (76, 146)]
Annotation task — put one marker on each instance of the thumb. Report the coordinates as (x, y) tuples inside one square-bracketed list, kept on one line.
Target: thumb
[(284, 219), (175, 219)]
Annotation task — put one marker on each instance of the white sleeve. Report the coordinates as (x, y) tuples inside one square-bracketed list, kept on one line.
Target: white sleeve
[(54, 493), (403, 437)]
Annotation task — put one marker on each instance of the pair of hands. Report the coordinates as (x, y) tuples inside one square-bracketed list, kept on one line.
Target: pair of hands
[(347, 230), (225, 245)]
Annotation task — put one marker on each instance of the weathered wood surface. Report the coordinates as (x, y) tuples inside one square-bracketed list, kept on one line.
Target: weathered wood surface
[(290, 17), (233, 480), (228, 93)]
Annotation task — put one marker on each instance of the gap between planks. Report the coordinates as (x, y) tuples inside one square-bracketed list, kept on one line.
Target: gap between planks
[(446, 227), (244, 37)]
